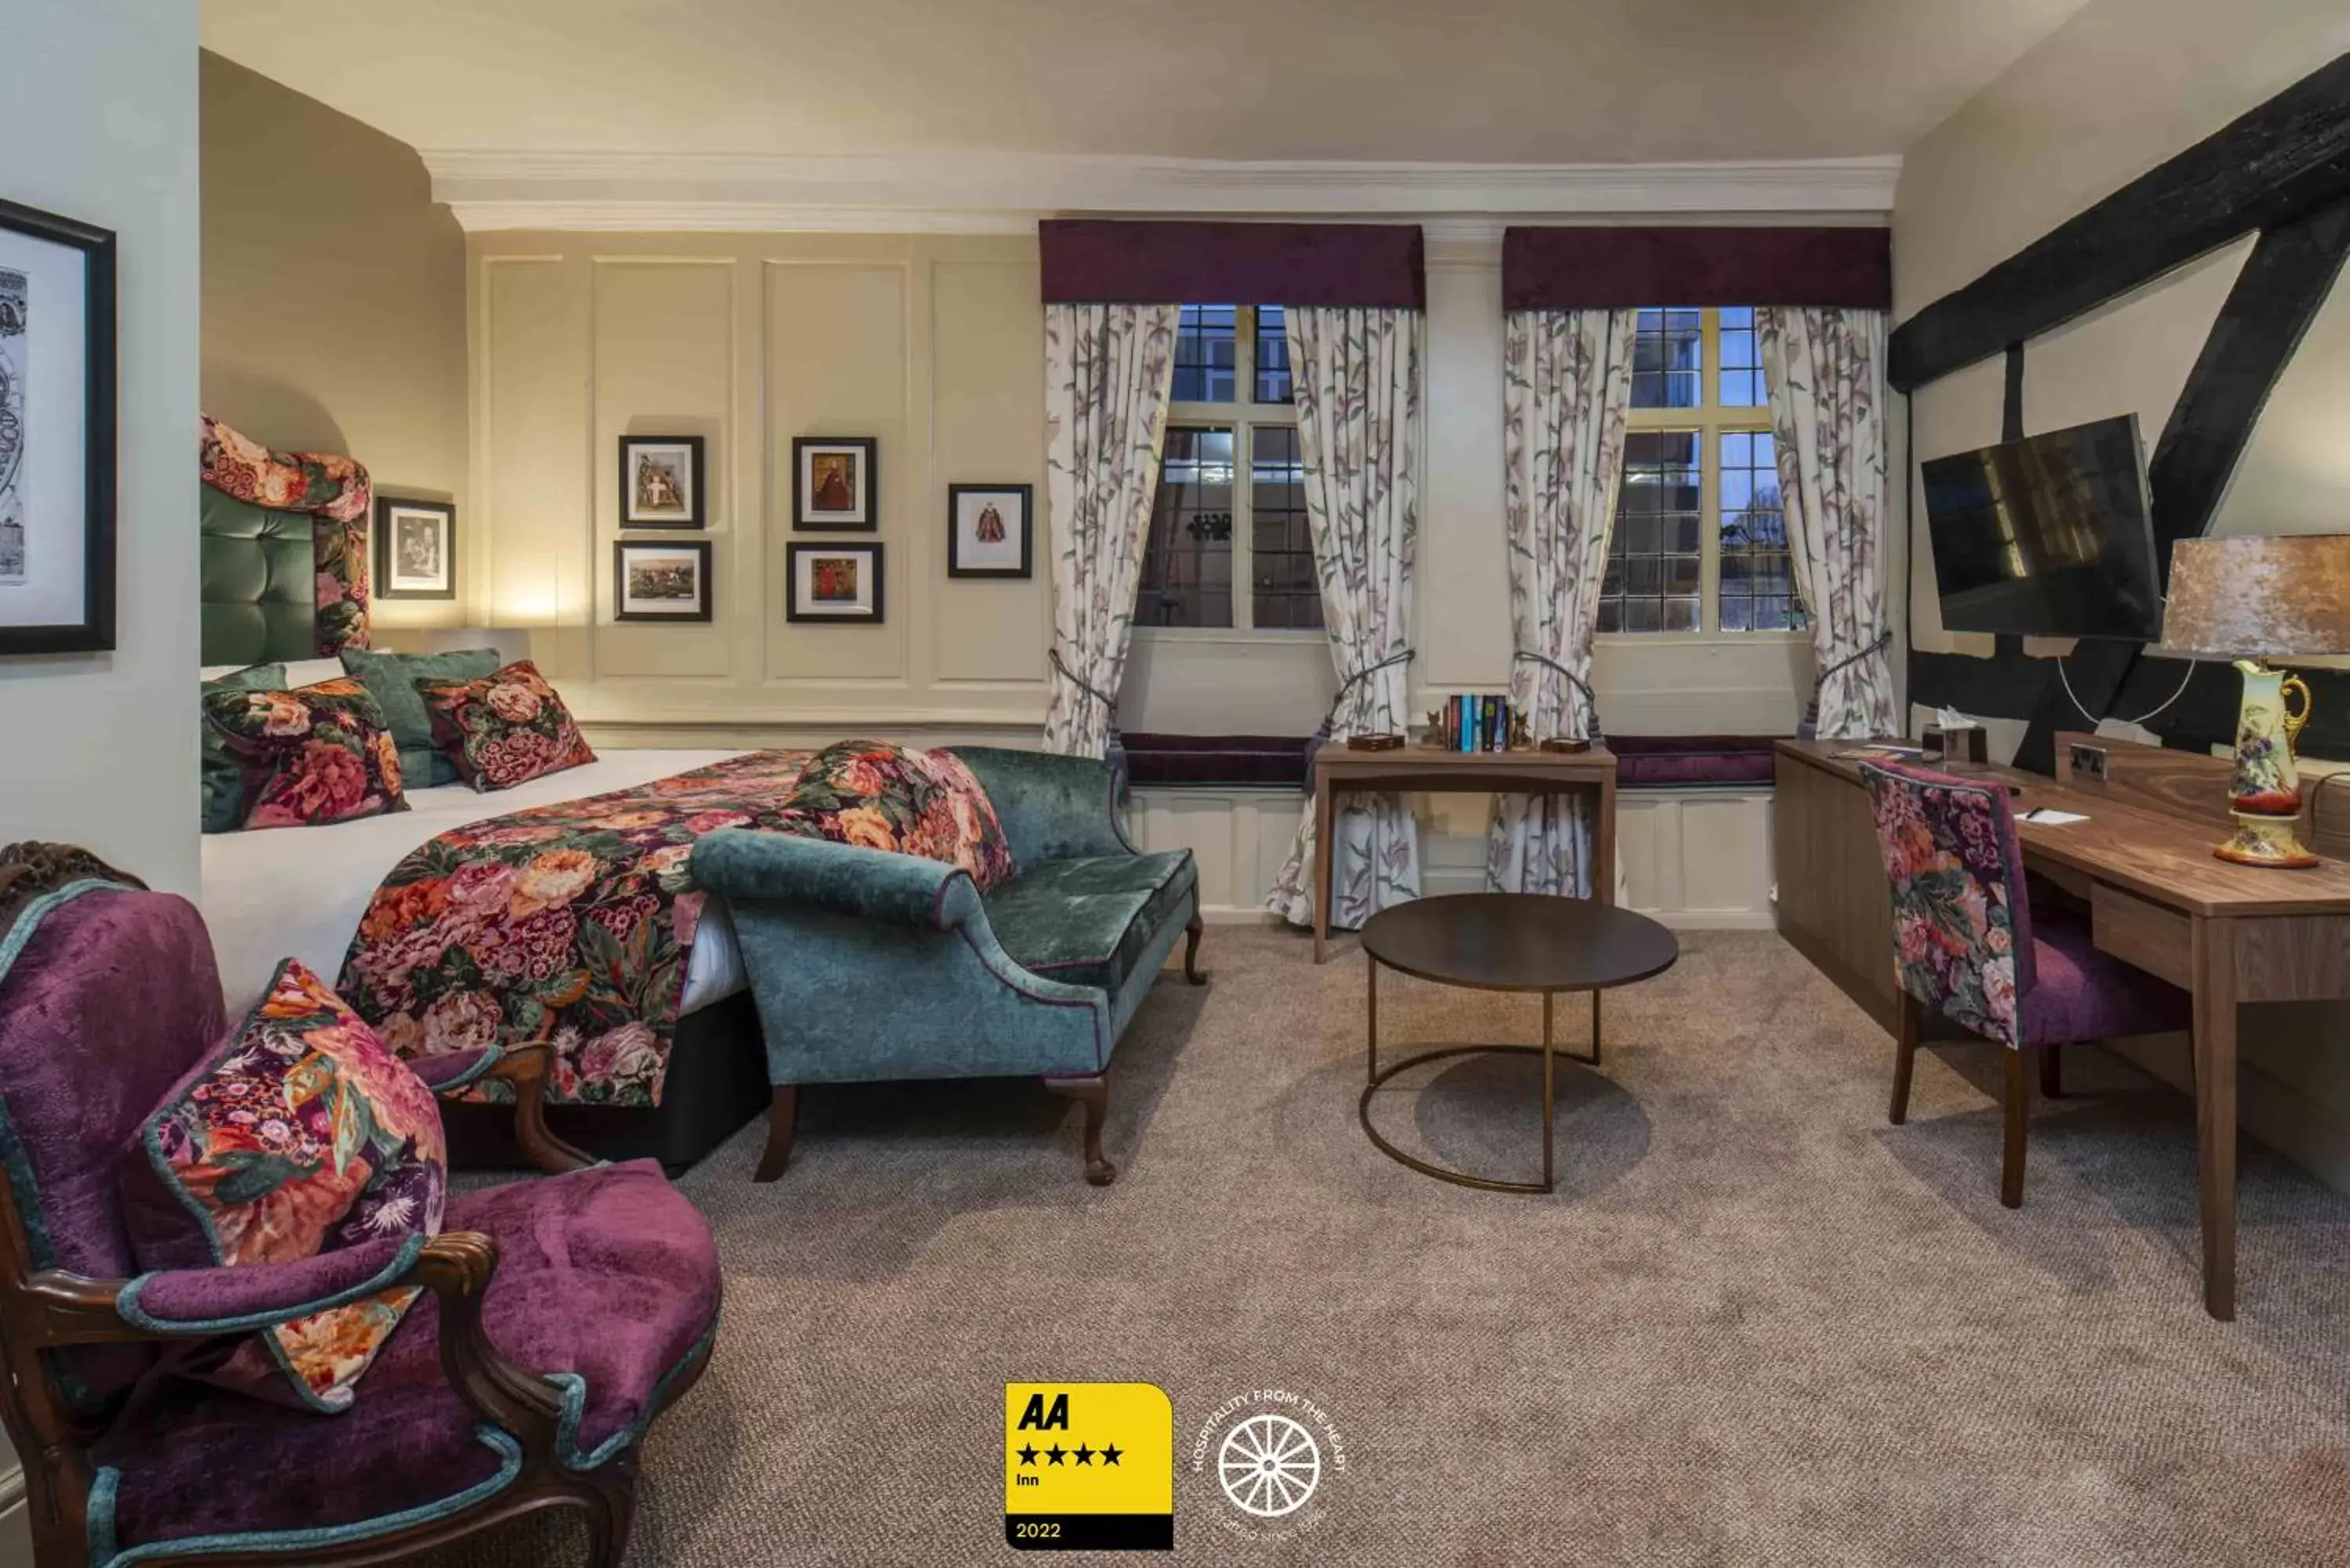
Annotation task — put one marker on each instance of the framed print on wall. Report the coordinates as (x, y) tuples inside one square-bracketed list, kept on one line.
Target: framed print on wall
[(415, 550), (57, 434), (988, 531), (661, 481), (833, 482), (655, 580), (837, 583)]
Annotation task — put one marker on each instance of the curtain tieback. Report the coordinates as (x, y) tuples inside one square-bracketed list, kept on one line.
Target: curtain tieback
[(1590, 697), (1114, 752), (1884, 640), (1330, 719)]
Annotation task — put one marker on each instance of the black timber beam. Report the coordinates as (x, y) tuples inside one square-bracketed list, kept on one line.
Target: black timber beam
[(2270, 166)]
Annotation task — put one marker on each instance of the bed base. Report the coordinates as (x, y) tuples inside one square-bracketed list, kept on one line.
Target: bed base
[(717, 1083)]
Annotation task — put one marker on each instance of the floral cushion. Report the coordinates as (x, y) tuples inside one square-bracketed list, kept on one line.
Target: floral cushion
[(503, 727), (1961, 919), (299, 1133), (317, 754), (883, 797), (223, 779)]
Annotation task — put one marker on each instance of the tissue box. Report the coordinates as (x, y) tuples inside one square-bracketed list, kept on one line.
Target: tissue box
[(1954, 745)]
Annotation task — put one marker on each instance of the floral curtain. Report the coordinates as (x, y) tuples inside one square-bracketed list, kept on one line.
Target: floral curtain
[(1357, 379), (1107, 373), (1567, 383), (1826, 369), (335, 491)]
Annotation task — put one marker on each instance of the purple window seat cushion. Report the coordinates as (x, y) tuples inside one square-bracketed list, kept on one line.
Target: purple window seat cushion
[(1269, 762), (114, 996), (1664, 761), (2081, 993), (608, 1274)]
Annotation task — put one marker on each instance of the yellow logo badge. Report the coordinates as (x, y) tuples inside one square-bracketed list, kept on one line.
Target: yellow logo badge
[(1088, 1467)]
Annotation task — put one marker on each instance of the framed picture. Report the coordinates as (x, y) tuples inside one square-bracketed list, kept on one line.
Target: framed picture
[(57, 434), (840, 583), (415, 550), (656, 581), (833, 482), (661, 481), (988, 531)]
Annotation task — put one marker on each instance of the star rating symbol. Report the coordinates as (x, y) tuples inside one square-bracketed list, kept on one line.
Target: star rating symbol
[(1029, 1454), (1056, 1454), (1109, 1455), (1085, 1455)]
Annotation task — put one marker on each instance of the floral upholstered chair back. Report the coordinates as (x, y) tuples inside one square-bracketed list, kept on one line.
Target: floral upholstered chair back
[(1961, 922)]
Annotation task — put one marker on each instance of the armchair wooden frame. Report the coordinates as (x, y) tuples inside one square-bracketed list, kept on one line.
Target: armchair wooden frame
[(43, 1311)]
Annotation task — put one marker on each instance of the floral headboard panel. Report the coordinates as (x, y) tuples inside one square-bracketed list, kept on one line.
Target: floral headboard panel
[(285, 551)]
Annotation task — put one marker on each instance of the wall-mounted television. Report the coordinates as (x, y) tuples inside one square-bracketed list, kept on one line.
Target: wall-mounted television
[(2047, 537)]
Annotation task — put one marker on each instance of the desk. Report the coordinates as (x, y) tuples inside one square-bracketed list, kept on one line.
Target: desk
[(1339, 771), (2157, 900)]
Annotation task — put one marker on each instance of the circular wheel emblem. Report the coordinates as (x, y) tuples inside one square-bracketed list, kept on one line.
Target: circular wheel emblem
[(1269, 1466)]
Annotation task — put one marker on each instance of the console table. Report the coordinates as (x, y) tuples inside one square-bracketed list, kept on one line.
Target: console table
[(1432, 771), (2156, 897)]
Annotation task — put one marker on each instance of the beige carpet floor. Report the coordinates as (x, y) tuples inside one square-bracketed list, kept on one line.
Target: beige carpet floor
[(1755, 1325)]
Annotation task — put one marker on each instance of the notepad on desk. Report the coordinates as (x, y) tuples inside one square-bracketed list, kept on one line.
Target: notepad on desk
[(2048, 816)]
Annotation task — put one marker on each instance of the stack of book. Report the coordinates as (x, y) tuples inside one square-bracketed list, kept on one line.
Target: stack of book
[(1477, 723)]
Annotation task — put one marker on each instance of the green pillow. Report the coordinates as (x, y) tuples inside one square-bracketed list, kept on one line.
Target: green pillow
[(223, 783), (390, 679)]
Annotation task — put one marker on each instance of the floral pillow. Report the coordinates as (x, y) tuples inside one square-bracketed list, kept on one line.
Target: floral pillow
[(299, 1133), (503, 727), (883, 797), (314, 755)]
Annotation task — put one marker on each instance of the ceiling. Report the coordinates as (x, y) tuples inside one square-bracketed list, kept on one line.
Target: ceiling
[(1486, 81)]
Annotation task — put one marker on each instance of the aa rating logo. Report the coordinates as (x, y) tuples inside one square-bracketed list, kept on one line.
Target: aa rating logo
[(1088, 1466)]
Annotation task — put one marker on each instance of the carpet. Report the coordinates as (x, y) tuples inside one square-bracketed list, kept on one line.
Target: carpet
[(1755, 1325)]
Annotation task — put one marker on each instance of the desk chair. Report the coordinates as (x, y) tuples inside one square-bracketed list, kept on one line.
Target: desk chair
[(1967, 944)]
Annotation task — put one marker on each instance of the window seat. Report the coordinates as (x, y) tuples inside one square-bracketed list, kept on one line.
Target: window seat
[(1278, 762)]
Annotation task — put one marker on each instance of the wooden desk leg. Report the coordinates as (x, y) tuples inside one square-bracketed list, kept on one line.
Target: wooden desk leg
[(2215, 1110), (1321, 864)]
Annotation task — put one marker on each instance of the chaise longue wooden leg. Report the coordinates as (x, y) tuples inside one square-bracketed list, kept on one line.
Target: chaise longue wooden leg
[(783, 1123), (1192, 952), (1094, 1095)]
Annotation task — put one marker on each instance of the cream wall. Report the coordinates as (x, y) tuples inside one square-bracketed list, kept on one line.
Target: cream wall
[(334, 296), (934, 345), (2121, 87), (100, 111)]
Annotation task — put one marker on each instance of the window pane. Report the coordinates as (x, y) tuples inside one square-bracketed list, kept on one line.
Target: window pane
[(1272, 355), (1757, 573), (1187, 565), (1741, 359), (1667, 359), (1653, 560), (1206, 340), (1284, 591)]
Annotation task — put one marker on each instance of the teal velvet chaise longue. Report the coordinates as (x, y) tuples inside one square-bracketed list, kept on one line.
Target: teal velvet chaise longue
[(870, 966)]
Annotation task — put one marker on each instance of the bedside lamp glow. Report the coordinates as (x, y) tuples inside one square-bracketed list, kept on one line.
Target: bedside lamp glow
[(2248, 601)]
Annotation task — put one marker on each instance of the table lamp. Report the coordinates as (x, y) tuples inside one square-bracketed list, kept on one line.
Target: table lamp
[(2250, 599)]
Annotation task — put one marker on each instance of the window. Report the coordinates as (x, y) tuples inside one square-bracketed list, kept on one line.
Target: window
[(1701, 543), (1231, 507)]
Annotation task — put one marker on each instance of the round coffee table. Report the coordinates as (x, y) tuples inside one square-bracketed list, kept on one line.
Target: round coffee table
[(1507, 941)]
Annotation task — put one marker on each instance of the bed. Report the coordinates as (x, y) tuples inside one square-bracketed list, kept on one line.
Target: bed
[(283, 580)]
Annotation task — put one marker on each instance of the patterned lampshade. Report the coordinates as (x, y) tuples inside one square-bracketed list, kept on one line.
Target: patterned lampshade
[(2259, 597)]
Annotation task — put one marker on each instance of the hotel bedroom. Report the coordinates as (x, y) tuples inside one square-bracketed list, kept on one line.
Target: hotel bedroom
[(971, 678)]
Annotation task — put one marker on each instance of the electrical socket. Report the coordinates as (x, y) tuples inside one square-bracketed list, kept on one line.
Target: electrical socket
[(2088, 762)]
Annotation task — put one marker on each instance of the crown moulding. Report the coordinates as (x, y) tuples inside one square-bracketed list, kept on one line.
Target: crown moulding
[(736, 192)]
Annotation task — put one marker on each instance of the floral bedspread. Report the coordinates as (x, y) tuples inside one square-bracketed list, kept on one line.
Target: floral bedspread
[(569, 923)]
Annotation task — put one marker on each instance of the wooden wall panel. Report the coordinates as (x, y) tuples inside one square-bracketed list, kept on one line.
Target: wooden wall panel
[(984, 323), (533, 448)]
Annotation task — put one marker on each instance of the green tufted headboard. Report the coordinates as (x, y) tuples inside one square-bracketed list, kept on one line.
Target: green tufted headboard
[(260, 583)]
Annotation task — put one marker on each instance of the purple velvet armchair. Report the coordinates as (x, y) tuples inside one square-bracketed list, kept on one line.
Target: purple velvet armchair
[(1967, 944), (559, 1316)]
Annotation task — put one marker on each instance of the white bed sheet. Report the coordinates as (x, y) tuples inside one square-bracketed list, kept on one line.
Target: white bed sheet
[(299, 891)]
